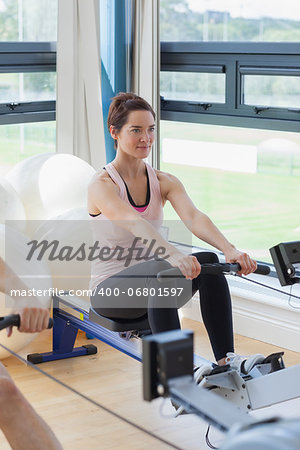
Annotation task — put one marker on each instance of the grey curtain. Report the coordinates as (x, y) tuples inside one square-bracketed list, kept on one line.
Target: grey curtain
[(146, 59), (79, 116)]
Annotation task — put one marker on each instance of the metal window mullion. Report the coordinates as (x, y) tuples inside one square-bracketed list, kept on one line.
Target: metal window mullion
[(196, 68), (199, 59), (279, 71), (243, 48), (276, 112), (28, 47), (244, 111), (231, 84), (29, 117), (232, 121), (23, 59), (28, 68), (26, 57), (24, 107), (193, 106)]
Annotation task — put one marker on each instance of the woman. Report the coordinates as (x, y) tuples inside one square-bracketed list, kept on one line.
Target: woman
[(126, 199)]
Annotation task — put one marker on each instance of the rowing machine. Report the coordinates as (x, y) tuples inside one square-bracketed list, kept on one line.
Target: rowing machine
[(71, 314), (258, 388), (286, 258), (168, 372)]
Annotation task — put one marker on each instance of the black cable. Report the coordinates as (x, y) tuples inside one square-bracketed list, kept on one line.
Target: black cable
[(85, 397), (208, 443), (289, 301), (268, 287)]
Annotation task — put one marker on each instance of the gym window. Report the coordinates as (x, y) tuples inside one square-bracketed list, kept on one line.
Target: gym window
[(28, 32), (270, 87), (27, 82), (239, 84), (230, 116)]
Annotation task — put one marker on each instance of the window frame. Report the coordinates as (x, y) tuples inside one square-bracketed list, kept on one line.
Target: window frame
[(24, 57), (232, 56)]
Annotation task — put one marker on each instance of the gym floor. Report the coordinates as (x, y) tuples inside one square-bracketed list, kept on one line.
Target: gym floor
[(114, 380)]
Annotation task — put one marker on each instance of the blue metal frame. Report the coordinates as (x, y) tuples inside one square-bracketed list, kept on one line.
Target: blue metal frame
[(65, 329)]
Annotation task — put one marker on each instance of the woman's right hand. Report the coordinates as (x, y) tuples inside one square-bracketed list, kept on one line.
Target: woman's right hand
[(32, 320), (187, 264)]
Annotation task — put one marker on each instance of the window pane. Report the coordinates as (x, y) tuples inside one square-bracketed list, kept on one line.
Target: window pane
[(246, 180), (26, 87), (28, 20), (207, 87), (277, 91), (233, 20), (18, 142)]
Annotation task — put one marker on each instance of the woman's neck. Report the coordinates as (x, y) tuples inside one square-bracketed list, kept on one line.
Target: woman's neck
[(134, 168)]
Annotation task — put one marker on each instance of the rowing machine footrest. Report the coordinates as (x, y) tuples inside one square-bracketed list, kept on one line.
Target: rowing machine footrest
[(220, 369), (35, 358), (91, 349), (276, 361)]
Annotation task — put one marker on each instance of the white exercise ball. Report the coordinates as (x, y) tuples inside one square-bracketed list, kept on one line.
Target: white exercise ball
[(66, 239), (50, 184), (32, 285), (63, 183), (11, 207), (279, 146), (24, 177)]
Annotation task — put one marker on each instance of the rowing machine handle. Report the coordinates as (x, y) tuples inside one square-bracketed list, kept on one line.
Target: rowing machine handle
[(14, 321), (211, 269)]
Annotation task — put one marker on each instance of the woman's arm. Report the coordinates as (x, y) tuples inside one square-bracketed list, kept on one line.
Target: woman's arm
[(103, 195), (202, 226)]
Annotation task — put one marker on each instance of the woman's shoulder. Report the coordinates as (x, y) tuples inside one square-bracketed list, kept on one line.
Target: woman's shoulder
[(164, 177), (100, 178), (166, 182)]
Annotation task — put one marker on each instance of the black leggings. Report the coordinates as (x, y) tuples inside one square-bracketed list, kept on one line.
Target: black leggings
[(128, 303)]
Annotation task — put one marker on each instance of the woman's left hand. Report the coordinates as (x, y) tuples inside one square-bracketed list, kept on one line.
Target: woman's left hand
[(247, 264)]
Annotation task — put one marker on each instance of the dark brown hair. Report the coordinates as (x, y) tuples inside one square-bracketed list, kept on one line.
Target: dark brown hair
[(121, 106)]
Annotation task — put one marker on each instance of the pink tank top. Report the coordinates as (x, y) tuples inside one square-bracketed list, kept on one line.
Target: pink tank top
[(112, 235)]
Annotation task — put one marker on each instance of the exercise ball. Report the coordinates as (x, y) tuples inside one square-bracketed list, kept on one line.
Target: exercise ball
[(50, 184), (276, 145), (11, 207), (66, 239), (63, 183), (31, 274), (24, 177)]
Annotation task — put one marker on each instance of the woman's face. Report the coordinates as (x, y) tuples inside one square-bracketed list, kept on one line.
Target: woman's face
[(137, 135)]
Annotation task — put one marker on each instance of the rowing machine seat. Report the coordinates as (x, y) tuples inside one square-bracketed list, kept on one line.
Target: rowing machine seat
[(119, 325)]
